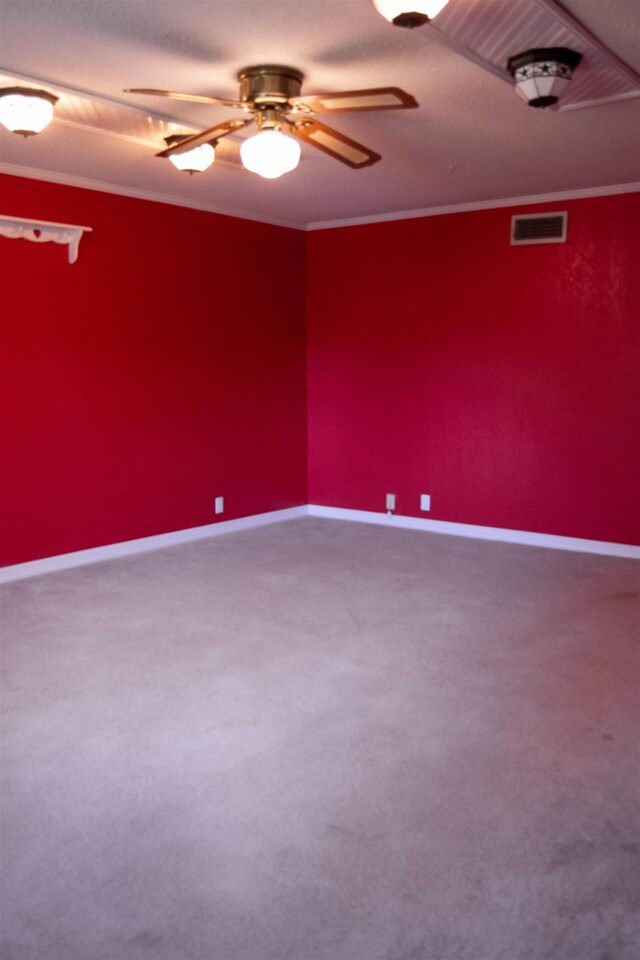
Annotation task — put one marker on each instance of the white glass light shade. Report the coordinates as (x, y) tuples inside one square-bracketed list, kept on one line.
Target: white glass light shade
[(196, 160), (26, 112), (270, 154), (409, 13), (542, 83), (542, 74)]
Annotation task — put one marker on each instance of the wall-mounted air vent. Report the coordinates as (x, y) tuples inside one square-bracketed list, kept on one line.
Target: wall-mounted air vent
[(539, 228)]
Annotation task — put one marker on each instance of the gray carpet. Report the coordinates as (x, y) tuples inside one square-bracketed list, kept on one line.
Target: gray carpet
[(323, 740)]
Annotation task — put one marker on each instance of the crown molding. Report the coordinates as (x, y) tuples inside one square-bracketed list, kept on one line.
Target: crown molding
[(101, 186), (557, 197), (602, 101)]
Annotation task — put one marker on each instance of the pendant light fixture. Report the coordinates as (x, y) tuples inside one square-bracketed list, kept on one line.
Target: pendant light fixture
[(542, 74), (191, 161), (25, 111), (270, 153), (409, 13)]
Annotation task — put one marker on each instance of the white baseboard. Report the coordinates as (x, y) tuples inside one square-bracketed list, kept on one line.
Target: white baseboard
[(479, 533), (111, 551)]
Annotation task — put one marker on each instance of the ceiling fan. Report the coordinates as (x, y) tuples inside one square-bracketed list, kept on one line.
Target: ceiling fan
[(271, 95)]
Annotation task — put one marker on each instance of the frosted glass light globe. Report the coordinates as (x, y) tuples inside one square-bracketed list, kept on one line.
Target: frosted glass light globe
[(22, 113), (270, 154), (196, 160), (409, 13)]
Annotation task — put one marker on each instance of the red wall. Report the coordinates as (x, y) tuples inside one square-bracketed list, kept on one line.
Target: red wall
[(501, 380), (153, 375), (148, 378)]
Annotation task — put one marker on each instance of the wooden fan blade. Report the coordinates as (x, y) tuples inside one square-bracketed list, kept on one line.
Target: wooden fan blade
[(342, 148), (185, 96), (378, 98), (212, 135)]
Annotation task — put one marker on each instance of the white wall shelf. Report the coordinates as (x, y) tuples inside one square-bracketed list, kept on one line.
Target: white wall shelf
[(42, 231)]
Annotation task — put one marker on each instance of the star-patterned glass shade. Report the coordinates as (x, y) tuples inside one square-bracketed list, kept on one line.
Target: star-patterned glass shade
[(541, 76)]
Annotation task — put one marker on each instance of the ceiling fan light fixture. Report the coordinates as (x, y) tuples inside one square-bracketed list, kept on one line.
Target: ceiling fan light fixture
[(270, 97), (191, 161), (409, 13), (541, 75), (270, 153), (25, 111)]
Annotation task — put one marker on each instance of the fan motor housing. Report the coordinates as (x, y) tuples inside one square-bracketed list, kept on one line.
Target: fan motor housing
[(269, 84)]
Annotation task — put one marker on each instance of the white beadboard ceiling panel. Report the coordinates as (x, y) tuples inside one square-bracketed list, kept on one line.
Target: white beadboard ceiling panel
[(76, 108), (489, 32), (117, 119), (99, 115)]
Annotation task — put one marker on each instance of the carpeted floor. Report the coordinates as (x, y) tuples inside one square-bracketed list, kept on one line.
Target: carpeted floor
[(323, 740)]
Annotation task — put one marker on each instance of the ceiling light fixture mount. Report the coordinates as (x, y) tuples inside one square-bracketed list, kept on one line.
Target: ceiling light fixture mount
[(191, 161), (26, 111), (543, 73), (269, 84), (409, 13)]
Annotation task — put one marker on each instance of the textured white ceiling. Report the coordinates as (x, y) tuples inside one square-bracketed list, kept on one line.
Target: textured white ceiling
[(472, 139)]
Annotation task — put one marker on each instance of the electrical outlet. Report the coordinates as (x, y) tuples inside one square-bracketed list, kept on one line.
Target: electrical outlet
[(219, 507), (391, 501), (425, 501)]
